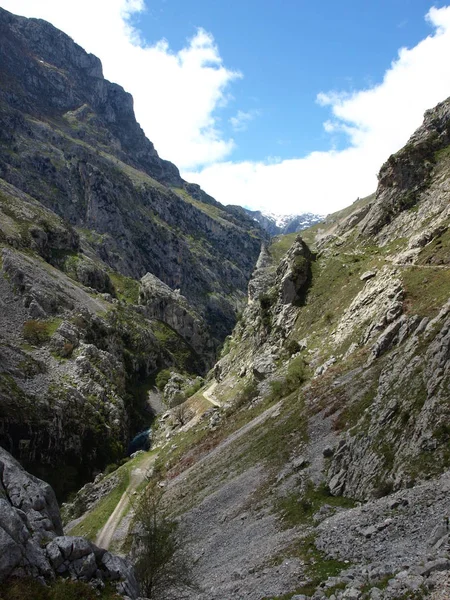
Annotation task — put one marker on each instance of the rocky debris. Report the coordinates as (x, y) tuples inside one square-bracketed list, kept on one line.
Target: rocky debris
[(32, 541), (83, 561), (367, 275), (357, 467), (263, 365), (321, 369), (396, 332)]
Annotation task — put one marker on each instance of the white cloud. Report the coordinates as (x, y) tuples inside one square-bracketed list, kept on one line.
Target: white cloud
[(241, 120), (175, 93), (377, 121)]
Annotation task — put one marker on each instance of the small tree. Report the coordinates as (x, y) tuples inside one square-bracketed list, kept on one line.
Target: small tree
[(182, 414), (160, 563)]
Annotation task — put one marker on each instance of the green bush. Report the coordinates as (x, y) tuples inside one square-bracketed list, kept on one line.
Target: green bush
[(266, 301), (295, 376), (247, 394), (162, 379), (111, 468), (160, 564), (61, 589), (292, 347), (193, 389), (36, 332)]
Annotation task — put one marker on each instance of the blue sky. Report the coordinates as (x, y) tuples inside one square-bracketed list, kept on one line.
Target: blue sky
[(288, 106), (289, 51)]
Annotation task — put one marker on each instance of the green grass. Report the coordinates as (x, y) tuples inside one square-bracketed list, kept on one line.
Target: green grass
[(322, 310), (437, 252), (426, 290), (280, 245), (60, 589), (212, 211), (127, 289), (318, 567), (96, 518), (183, 355), (295, 509)]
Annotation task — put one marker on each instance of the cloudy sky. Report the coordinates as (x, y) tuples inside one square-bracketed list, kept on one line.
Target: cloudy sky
[(287, 106)]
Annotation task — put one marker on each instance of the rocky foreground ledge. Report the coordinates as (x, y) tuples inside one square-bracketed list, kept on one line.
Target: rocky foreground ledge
[(32, 543)]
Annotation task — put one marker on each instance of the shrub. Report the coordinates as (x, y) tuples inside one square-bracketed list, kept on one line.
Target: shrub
[(36, 332), (110, 469), (160, 565), (266, 301), (162, 379), (61, 589), (292, 347), (296, 375), (67, 350), (247, 394), (193, 389), (182, 414)]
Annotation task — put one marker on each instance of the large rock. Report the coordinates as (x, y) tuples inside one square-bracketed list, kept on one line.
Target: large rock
[(169, 306), (294, 272), (31, 537)]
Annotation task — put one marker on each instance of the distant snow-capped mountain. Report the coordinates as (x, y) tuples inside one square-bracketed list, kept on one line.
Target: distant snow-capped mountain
[(281, 224)]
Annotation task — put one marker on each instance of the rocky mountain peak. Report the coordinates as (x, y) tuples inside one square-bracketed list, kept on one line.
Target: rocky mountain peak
[(49, 74)]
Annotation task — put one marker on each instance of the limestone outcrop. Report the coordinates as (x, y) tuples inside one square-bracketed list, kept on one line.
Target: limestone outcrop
[(32, 543)]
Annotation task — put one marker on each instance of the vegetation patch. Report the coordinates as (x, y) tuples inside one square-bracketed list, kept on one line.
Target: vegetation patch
[(127, 289), (318, 567), (60, 589), (297, 374), (426, 290), (160, 561), (437, 252), (38, 332), (280, 245), (298, 509)]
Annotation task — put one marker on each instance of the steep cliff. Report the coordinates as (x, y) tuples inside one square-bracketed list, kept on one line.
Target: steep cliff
[(89, 215), (323, 469), (70, 140)]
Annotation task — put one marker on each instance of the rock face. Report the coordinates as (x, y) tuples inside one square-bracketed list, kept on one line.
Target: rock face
[(32, 542), (407, 174), (329, 470), (70, 140), (87, 209), (168, 306)]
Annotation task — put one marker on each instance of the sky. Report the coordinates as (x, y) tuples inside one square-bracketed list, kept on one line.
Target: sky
[(287, 106)]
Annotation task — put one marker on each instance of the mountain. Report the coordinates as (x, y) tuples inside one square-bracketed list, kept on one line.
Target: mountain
[(312, 461), (322, 467), (280, 224), (113, 267)]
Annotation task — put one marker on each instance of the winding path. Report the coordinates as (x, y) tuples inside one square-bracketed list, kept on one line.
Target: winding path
[(138, 474), (209, 394)]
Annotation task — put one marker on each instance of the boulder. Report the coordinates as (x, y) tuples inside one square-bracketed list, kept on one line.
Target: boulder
[(32, 543)]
